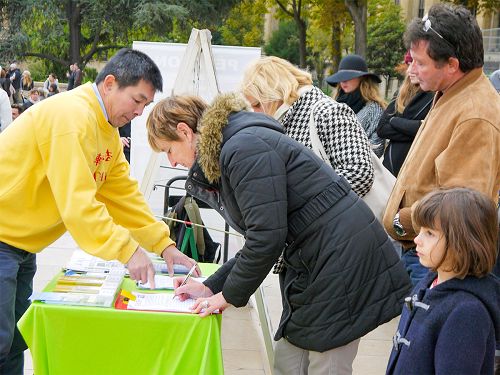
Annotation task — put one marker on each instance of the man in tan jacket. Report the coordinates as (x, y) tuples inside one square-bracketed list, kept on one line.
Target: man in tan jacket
[(458, 143)]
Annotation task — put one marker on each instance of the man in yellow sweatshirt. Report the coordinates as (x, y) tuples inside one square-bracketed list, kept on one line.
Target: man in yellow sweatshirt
[(63, 169)]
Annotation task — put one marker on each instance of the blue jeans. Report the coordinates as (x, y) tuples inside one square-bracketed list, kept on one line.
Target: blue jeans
[(412, 264), (17, 269)]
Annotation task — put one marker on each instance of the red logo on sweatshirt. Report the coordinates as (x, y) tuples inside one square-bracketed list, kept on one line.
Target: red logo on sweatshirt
[(107, 156), (102, 157)]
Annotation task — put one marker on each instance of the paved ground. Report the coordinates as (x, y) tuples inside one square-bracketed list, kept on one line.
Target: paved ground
[(242, 341)]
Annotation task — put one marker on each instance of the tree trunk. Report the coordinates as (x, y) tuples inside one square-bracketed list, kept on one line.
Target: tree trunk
[(74, 24), (302, 41), (336, 46), (358, 10), (301, 25)]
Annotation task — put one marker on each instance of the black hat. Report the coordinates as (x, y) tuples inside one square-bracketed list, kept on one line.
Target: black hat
[(351, 66)]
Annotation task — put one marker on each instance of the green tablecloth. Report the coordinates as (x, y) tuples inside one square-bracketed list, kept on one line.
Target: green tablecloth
[(71, 340)]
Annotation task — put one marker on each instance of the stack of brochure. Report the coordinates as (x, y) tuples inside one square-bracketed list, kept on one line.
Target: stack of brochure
[(84, 289), (92, 281)]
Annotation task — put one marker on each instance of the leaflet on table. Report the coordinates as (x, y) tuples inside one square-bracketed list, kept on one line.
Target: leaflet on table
[(77, 299), (159, 302), (85, 289), (165, 282), (82, 261)]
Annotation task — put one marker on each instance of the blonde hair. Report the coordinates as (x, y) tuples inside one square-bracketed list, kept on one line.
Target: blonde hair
[(27, 80), (370, 91), (406, 93), (272, 79), (167, 113)]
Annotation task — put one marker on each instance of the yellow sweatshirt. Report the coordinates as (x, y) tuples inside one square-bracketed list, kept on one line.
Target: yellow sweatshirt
[(62, 168)]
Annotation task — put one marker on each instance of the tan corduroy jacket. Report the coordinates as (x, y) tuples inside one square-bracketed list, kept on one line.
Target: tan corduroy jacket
[(458, 145)]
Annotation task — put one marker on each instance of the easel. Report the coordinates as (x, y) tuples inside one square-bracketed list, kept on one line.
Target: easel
[(197, 58), (198, 51)]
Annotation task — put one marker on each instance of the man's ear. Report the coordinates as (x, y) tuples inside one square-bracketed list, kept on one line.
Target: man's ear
[(453, 65), (108, 83)]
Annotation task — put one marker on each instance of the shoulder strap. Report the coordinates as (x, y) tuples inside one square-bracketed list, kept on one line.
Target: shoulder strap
[(317, 146), (423, 108)]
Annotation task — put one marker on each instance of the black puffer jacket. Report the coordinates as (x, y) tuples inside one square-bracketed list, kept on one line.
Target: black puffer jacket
[(342, 276)]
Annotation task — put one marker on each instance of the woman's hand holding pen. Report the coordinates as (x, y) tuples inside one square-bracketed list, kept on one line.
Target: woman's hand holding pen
[(206, 301), (192, 289)]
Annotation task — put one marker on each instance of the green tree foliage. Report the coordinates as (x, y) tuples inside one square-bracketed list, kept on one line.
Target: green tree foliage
[(476, 6), (284, 43), (65, 31), (245, 24), (329, 24), (385, 37)]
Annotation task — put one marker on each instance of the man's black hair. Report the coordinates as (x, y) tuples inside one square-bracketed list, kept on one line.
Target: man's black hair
[(129, 66), (460, 31)]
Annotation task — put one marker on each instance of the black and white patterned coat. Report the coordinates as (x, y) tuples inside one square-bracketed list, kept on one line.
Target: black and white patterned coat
[(339, 131)]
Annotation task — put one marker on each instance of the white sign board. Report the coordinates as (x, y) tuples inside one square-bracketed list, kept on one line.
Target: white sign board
[(230, 63)]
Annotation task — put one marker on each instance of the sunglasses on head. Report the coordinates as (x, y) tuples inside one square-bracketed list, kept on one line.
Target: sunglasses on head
[(428, 26)]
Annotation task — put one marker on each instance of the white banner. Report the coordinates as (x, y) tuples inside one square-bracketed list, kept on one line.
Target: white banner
[(230, 63)]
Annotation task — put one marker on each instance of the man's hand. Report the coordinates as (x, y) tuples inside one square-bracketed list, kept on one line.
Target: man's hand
[(141, 268), (172, 255)]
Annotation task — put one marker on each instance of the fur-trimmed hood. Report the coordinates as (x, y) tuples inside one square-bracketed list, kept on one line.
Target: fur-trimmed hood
[(214, 130)]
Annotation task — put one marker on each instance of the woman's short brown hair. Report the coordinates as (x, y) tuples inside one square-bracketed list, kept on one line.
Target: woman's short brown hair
[(469, 222), (167, 113)]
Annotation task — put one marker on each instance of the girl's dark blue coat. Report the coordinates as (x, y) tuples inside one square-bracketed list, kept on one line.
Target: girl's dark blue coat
[(450, 329)]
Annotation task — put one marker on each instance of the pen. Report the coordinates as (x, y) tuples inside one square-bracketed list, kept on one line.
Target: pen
[(186, 278)]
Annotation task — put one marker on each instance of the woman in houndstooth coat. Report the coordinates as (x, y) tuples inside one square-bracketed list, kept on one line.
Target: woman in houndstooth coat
[(276, 87)]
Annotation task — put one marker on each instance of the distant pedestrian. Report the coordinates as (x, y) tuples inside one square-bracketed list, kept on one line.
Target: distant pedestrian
[(50, 80), (78, 75), (33, 98), (14, 75), (71, 77), (27, 84), (16, 110), (53, 89)]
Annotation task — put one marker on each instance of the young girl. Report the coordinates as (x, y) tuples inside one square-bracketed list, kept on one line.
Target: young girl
[(450, 323)]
